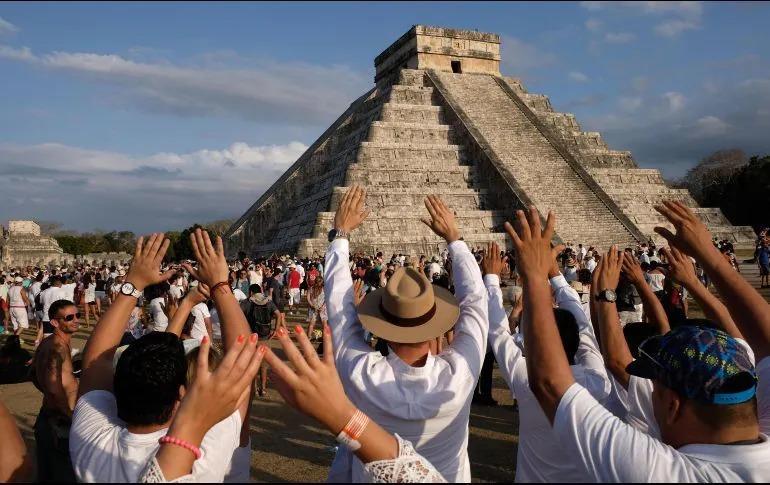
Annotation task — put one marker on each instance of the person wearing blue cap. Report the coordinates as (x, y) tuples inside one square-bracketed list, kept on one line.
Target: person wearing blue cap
[(711, 404)]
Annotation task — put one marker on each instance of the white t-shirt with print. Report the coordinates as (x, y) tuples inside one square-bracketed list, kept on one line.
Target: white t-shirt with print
[(200, 311), (613, 451), (103, 450)]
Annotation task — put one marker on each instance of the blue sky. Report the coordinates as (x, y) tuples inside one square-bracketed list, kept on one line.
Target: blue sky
[(153, 116)]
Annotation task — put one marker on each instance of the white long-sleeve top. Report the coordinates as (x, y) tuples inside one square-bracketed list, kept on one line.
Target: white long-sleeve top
[(428, 406), (540, 457)]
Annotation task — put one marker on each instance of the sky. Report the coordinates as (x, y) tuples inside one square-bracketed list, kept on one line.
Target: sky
[(155, 116)]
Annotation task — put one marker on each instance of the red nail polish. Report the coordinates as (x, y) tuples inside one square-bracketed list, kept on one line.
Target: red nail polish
[(253, 337), (205, 339), (297, 329), (240, 339)]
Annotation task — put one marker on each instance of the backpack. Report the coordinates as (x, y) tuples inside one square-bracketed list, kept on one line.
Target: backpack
[(39, 301), (260, 318)]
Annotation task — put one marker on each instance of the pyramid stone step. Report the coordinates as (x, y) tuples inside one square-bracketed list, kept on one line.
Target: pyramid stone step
[(411, 113), (412, 225), (410, 95), (373, 151), (412, 245), (411, 77), (411, 164), (394, 132), (377, 197), (370, 177)]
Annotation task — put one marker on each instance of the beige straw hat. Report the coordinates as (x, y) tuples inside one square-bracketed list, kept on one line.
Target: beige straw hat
[(409, 309)]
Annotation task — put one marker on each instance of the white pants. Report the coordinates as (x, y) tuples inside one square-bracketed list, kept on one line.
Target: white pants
[(294, 297), (19, 318)]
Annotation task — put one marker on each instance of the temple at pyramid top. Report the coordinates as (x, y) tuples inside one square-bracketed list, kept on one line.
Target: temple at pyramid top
[(442, 49), (441, 119)]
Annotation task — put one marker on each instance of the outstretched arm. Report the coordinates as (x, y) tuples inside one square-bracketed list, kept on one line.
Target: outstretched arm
[(653, 308), (347, 332), (683, 271), (749, 310), (197, 295), (470, 331), (100, 348), (15, 465), (614, 346), (547, 365)]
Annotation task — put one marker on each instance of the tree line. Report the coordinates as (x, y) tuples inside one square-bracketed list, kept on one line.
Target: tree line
[(79, 244)]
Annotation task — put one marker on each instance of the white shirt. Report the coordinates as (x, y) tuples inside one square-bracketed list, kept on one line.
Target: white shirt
[(175, 291), (540, 457), (103, 450), (613, 451), (591, 264), (158, 315), (656, 281), (433, 269), (428, 405), (200, 311), (48, 296), (239, 295), (69, 291)]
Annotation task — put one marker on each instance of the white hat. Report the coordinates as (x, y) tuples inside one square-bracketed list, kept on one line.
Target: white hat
[(18, 279), (121, 273), (193, 283)]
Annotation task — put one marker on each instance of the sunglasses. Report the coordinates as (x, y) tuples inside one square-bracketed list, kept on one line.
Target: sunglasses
[(70, 317)]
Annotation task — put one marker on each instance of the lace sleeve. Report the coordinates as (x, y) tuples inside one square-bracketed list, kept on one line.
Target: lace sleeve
[(408, 467), (153, 474)]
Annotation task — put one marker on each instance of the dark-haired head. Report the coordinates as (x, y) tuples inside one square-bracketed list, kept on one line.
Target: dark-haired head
[(636, 333), (254, 290), (148, 379)]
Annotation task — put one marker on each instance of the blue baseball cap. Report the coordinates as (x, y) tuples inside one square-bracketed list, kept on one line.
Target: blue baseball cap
[(700, 363)]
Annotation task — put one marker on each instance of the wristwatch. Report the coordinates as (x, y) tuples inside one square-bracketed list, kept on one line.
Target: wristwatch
[(129, 289), (335, 233), (607, 295)]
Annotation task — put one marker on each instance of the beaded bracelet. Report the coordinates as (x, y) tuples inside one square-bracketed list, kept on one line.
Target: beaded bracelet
[(184, 444)]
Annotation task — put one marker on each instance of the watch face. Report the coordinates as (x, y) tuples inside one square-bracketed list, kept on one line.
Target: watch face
[(127, 288), (610, 295)]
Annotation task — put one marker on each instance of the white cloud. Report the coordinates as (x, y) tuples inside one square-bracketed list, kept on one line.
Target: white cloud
[(7, 28), (297, 93), (672, 28), (709, 126), (677, 17), (593, 25), (675, 101), (84, 188), (577, 76), (20, 54), (630, 103), (619, 37), (522, 56)]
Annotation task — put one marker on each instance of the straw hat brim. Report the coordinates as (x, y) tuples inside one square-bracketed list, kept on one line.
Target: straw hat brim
[(445, 317)]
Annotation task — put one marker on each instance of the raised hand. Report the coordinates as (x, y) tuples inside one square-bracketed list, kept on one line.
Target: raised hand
[(632, 269), (692, 237), (213, 396), (198, 294), (680, 267), (313, 387), (442, 219), (212, 266), (358, 291), (145, 265), (351, 212), (532, 243), (609, 270), (193, 272), (492, 262), (555, 252)]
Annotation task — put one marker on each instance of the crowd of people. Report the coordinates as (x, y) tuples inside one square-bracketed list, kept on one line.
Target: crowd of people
[(612, 378)]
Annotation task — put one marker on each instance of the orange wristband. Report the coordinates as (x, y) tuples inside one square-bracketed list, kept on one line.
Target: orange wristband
[(220, 284)]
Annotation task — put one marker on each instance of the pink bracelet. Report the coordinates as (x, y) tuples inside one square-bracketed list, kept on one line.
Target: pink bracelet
[(184, 444)]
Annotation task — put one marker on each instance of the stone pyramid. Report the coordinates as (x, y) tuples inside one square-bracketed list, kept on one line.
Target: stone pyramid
[(441, 119)]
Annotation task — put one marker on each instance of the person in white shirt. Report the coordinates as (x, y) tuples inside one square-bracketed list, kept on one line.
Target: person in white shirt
[(17, 306), (424, 398), (47, 297), (540, 457), (118, 419), (69, 287), (202, 324), (711, 404)]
